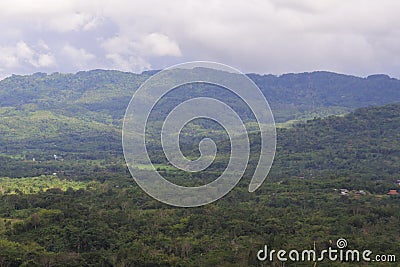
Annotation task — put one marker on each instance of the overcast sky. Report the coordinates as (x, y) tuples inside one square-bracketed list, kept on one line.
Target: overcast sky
[(357, 37)]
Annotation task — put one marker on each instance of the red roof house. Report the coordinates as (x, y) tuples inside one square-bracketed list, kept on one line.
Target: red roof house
[(392, 192)]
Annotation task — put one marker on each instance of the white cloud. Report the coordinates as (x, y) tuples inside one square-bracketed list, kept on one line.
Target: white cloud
[(153, 44), (42, 45), (118, 45), (24, 52), (46, 60), (123, 55), (73, 22), (128, 63), (22, 55), (157, 44), (93, 23), (355, 36), (131, 55), (23, 8), (78, 57), (8, 58)]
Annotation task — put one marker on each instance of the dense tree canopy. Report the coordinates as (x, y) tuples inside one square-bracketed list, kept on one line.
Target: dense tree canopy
[(67, 198)]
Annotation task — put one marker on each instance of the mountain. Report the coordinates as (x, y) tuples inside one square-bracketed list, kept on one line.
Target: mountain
[(105, 219), (79, 116), (96, 95), (103, 95), (67, 198), (362, 145)]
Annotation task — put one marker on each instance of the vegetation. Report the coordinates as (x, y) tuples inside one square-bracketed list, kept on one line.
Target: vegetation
[(91, 213), (103, 96), (34, 185)]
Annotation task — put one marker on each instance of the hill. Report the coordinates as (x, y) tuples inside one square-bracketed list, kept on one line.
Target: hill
[(111, 221), (103, 95), (82, 208), (363, 145)]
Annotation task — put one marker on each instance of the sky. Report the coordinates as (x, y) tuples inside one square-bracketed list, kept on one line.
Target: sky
[(357, 37)]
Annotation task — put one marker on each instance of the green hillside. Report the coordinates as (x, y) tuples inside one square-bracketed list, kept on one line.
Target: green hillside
[(82, 208), (104, 219), (103, 95)]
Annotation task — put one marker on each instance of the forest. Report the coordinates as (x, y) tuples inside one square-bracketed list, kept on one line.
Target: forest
[(67, 198)]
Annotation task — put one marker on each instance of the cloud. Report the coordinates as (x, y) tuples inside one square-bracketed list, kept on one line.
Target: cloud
[(122, 54), (266, 36), (78, 57), (131, 54), (8, 57), (24, 52), (22, 55), (118, 45), (157, 44), (73, 22), (128, 63), (46, 60)]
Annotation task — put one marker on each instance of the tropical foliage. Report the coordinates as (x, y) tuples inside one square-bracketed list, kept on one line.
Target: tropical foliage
[(67, 198)]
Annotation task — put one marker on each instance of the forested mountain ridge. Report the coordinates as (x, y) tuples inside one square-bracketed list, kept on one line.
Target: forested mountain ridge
[(77, 204), (95, 95), (105, 219), (364, 143), (103, 95)]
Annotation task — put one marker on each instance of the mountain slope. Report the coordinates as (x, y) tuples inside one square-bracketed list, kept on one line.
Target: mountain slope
[(364, 143), (104, 95)]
